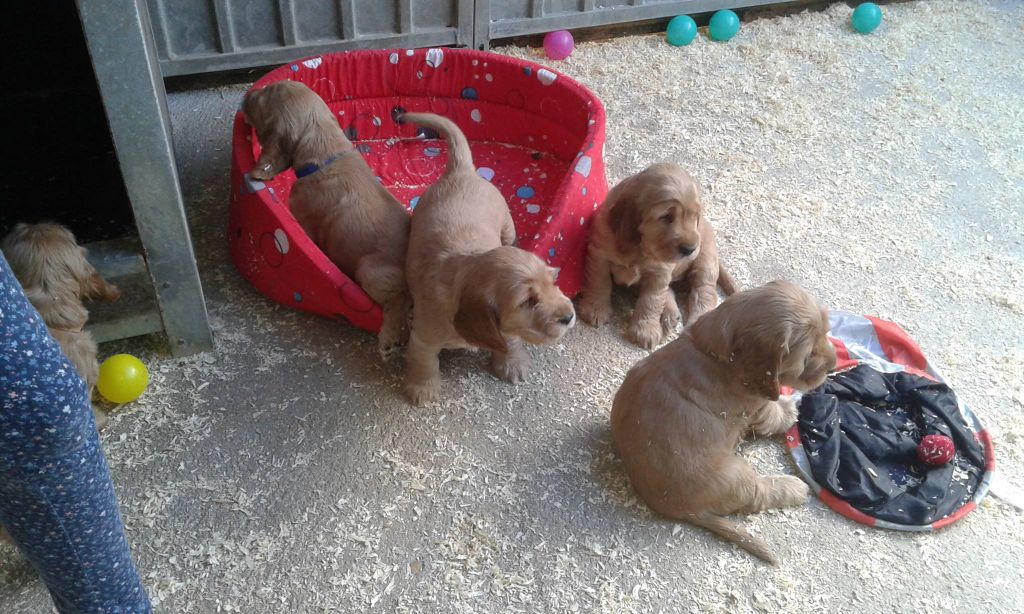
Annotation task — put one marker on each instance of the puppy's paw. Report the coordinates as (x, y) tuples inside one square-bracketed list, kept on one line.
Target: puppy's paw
[(263, 172), (776, 417), (670, 317), (388, 350), (594, 312), (100, 417), (110, 294), (389, 343), (421, 393), (789, 413), (511, 368), (789, 491), (646, 333), (625, 275), (694, 314)]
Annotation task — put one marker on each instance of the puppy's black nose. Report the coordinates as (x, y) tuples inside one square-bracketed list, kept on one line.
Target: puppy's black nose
[(685, 250), (567, 320)]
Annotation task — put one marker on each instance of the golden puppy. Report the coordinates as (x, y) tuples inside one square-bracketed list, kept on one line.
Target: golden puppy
[(52, 269), (651, 231), (471, 288), (336, 198), (681, 411)]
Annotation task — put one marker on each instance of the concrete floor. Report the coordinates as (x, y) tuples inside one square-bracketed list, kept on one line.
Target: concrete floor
[(283, 473)]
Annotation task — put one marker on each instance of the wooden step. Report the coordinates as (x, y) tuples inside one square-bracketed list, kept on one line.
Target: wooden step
[(121, 262)]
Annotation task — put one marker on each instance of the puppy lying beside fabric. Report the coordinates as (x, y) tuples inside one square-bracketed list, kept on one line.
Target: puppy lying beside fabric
[(681, 411), (651, 231), (336, 198), (470, 287), (52, 269)]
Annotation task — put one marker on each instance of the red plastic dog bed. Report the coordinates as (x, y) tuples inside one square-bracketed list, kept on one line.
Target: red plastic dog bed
[(535, 134)]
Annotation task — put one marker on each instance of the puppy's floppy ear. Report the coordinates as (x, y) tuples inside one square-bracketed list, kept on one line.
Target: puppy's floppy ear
[(102, 290), (713, 334), (754, 350), (95, 288), (91, 285), (58, 312), (258, 108), (253, 105), (763, 361), (624, 220), (273, 158), (477, 320)]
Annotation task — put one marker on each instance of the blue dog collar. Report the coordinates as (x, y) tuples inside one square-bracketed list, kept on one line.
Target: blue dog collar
[(308, 169)]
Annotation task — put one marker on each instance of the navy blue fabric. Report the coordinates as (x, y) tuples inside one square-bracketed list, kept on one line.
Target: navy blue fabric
[(56, 498), (860, 431)]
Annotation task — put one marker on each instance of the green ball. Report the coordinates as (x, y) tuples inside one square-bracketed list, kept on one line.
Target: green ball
[(723, 25), (866, 18), (681, 31)]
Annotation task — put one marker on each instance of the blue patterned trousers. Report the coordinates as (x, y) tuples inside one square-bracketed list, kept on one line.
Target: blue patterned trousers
[(56, 498)]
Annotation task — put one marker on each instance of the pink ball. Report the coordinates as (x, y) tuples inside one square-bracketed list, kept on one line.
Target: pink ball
[(935, 450), (558, 44)]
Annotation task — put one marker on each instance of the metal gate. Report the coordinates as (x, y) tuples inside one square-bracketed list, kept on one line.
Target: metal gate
[(195, 36)]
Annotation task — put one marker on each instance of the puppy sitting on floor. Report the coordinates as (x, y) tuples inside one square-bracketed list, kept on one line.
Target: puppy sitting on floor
[(471, 288), (336, 198), (52, 269), (651, 231), (681, 411)]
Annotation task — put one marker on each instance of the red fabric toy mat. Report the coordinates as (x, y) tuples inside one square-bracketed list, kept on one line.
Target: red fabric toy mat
[(535, 134)]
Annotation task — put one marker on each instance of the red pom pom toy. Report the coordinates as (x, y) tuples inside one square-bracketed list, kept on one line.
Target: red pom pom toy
[(935, 450)]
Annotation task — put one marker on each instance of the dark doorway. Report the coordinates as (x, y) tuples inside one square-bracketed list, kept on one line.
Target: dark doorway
[(60, 164)]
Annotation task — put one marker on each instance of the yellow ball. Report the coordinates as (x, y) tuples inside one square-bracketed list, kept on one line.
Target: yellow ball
[(123, 378)]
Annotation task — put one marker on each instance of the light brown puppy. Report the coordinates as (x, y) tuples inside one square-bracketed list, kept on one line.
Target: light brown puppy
[(52, 269), (651, 231), (471, 288), (681, 411), (340, 204)]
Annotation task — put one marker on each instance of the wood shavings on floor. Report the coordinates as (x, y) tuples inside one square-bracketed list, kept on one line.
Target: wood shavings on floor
[(283, 473)]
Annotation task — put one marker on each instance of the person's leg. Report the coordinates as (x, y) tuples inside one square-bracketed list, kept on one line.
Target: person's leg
[(57, 502)]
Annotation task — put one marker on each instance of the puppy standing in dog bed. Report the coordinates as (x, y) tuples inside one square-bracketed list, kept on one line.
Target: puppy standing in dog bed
[(651, 231), (471, 287), (680, 413), (336, 198)]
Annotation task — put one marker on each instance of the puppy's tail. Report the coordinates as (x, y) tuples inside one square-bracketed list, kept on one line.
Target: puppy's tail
[(459, 156), (725, 280), (730, 531)]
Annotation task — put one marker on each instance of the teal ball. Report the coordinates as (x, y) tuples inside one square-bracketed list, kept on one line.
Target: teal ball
[(681, 31), (723, 25), (866, 17)]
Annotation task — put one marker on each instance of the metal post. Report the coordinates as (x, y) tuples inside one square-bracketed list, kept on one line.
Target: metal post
[(124, 57), (347, 11), (482, 25), (404, 16), (289, 30), (465, 23)]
